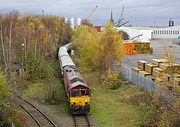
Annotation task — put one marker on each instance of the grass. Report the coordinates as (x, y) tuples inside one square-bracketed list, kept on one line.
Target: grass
[(36, 90), (113, 108)]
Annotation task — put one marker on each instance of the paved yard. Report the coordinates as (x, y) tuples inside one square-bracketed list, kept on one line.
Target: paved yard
[(158, 48)]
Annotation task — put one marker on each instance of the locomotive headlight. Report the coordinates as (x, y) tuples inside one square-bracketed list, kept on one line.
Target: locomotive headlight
[(73, 103)]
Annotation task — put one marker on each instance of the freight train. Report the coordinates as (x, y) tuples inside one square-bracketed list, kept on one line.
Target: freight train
[(77, 89)]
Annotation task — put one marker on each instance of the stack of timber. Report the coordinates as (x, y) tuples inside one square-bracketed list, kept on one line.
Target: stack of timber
[(170, 68), (159, 70), (142, 64), (144, 73), (149, 67), (133, 47), (143, 48), (158, 61)]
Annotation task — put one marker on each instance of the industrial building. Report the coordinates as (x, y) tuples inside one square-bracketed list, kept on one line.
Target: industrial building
[(145, 34)]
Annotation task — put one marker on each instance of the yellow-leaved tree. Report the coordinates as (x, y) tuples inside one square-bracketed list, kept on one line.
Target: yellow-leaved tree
[(85, 42), (111, 48)]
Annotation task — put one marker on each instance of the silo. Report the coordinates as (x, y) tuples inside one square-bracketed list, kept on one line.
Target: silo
[(66, 19), (72, 23), (79, 21)]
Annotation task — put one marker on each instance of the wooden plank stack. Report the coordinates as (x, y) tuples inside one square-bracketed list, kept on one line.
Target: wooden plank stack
[(157, 72), (149, 67), (164, 74), (134, 47), (142, 64), (158, 61)]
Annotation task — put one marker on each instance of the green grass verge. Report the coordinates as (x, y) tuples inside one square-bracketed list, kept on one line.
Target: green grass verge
[(113, 108)]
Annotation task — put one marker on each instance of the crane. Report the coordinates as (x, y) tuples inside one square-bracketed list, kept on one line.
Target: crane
[(120, 23), (121, 17), (92, 13)]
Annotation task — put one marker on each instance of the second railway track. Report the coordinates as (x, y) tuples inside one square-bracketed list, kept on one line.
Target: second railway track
[(38, 116), (81, 121)]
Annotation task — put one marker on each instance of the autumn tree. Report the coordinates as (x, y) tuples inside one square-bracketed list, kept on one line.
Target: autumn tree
[(27, 38), (110, 49), (85, 42), (7, 37), (85, 22)]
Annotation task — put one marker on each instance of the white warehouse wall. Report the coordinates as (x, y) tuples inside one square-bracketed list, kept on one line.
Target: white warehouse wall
[(133, 32)]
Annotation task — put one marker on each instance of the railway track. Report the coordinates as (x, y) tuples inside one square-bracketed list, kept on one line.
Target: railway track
[(38, 116), (81, 121)]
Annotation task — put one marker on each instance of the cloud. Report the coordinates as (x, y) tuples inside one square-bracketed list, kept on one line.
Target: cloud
[(139, 12)]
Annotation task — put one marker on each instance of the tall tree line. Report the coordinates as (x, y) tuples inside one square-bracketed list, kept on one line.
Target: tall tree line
[(27, 36)]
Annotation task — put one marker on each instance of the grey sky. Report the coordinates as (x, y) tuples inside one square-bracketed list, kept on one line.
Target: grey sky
[(138, 12)]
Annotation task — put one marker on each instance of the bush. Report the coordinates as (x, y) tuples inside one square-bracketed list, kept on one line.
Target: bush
[(110, 79), (4, 98), (37, 68)]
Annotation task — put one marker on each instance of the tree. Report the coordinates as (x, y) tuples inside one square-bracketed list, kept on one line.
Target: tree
[(110, 48), (125, 35), (86, 41), (4, 94), (86, 23)]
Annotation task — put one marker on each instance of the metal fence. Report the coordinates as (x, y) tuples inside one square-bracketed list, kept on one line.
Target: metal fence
[(146, 83), (141, 81)]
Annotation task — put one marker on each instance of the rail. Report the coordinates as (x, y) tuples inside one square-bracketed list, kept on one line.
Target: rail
[(38, 116), (81, 121)]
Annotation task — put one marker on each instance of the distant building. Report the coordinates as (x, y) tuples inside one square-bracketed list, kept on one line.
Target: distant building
[(98, 28), (167, 32), (148, 33)]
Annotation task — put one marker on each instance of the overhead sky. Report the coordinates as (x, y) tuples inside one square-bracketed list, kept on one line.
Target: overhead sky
[(138, 12)]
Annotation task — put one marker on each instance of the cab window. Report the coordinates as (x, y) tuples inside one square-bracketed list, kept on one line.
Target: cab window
[(84, 93), (75, 94)]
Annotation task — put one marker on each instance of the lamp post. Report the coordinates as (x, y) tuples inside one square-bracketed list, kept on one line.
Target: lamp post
[(22, 54)]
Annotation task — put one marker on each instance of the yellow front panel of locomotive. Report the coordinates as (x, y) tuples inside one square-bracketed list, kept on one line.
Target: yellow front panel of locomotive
[(80, 101)]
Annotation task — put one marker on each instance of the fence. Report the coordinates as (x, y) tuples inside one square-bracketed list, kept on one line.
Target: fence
[(146, 83)]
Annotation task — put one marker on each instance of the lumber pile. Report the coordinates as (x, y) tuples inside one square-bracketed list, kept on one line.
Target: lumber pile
[(133, 47), (164, 74)]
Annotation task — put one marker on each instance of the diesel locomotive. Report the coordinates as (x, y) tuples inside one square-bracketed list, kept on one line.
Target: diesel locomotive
[(77, 89)]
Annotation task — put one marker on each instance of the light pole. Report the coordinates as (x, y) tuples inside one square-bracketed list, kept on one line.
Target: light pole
[(22, 54)]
